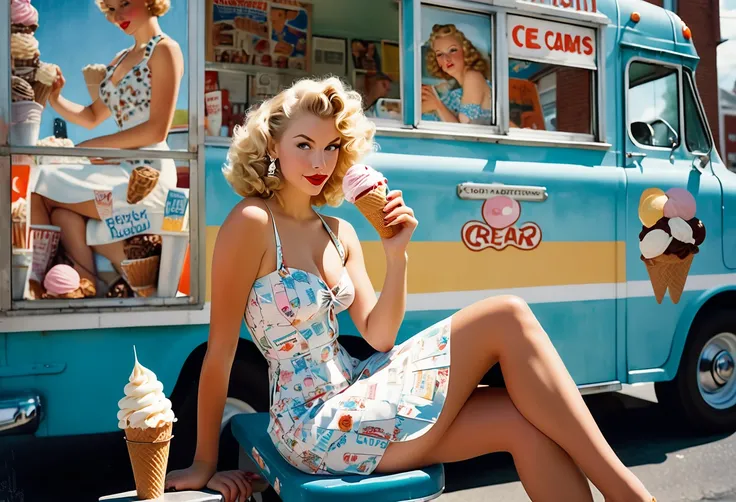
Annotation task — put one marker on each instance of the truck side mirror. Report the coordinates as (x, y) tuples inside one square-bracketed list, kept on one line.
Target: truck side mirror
[(674, 141)]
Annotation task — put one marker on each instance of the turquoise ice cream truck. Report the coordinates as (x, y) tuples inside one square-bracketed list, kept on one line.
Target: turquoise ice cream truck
[(584, 180)]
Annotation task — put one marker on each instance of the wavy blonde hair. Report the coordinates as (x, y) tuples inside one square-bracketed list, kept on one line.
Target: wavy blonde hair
[(473, 58), (247, 166), (156, 7)]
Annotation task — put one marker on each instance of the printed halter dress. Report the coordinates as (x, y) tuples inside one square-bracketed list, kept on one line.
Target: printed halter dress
[(331, 413)]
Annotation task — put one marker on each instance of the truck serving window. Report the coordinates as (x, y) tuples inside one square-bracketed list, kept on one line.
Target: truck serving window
[(254, 49), (697, 138), (101, 174), (654, 105), (456, 67), (552, 75)]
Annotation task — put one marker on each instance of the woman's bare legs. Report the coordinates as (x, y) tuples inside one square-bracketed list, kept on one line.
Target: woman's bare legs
[(72, 219), (504, 330), (115, 252), (74, 239), (41, 209), (489, 422)]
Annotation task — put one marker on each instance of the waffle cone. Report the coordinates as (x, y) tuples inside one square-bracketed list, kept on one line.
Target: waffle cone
[(149, 456), (141, 275), (142, 181), (20, 240), (371, 206), (42, 93), (668, 272)]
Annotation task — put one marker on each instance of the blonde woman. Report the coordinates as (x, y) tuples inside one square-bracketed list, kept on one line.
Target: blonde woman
[(139, 91), (288, 271), (453, 56)]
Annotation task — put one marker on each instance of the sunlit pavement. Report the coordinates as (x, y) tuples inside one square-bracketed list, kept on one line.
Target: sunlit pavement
[(676, 467)]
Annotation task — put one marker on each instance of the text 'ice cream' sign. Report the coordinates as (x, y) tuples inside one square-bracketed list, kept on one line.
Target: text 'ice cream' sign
[(499, 231), (573, 5), (128, 224), (546, 41)]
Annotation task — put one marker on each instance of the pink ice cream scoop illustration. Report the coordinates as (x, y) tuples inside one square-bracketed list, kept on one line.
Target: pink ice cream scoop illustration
[(501, 211), (63, 282), (680, 204), (367, 189), (669, 239)]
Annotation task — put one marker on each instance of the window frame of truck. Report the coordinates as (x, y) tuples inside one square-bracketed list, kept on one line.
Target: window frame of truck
[(680, 101), (100, 312), (501, 132)]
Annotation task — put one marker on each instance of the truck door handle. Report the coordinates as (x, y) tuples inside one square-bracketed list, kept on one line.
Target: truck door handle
[(639, 155)]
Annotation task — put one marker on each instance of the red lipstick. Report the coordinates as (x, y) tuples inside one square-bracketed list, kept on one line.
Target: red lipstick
[(316, 179), (124, 25)]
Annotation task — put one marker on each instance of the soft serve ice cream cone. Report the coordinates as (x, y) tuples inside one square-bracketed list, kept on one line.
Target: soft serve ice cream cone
[(45, 78), (146, 417), (23, 17), (93, 76), (367, 189)]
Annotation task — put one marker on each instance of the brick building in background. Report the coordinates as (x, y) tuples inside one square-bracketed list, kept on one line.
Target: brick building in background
[(728, 127), (703, 18)]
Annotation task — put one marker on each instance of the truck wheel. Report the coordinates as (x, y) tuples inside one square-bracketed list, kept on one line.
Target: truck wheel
[(704, 389)]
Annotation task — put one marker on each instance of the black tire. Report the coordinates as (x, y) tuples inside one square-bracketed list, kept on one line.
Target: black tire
[(682, 394), (248, 383)]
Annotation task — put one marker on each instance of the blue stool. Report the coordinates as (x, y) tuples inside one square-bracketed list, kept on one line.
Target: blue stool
[(295, 486)]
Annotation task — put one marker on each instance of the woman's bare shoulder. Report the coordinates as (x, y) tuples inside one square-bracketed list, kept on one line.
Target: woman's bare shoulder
[(344, 231), (340, 226), (474, 77), (168, 50), (246, 223)]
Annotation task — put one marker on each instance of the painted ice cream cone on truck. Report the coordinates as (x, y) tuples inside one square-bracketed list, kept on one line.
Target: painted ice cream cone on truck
[(367, 189), (146, 417), (669, 239)]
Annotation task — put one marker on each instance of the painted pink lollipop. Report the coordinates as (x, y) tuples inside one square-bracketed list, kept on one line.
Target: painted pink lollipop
[(501, 211)]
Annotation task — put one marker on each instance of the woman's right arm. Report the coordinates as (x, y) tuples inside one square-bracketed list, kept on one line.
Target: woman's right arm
[(88, 117), (239, 249)]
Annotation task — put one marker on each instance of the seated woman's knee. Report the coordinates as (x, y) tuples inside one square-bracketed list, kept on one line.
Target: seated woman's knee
[(510, 309)]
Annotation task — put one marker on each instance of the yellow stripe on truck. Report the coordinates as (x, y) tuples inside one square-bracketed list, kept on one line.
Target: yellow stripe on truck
[(449, 266)]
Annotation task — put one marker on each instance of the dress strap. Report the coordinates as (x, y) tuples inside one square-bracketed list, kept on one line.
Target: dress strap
[(150, 48), (120, 56), (335, 240), (279, 250)]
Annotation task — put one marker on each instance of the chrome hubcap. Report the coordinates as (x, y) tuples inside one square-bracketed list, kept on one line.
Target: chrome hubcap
[(716, 379)]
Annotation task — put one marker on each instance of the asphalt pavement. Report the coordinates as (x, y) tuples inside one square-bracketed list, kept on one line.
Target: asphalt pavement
[(676, 466)]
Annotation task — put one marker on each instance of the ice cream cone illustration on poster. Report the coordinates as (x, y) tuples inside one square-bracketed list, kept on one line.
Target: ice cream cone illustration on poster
[(669, 239)]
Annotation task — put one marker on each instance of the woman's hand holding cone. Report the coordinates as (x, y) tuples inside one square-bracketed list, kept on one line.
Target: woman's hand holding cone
[(400, 215)]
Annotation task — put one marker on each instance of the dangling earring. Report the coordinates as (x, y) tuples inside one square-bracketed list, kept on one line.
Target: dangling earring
[(272, 167)]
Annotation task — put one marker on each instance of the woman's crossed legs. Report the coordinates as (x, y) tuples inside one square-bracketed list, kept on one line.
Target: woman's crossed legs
[(541, 419)]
